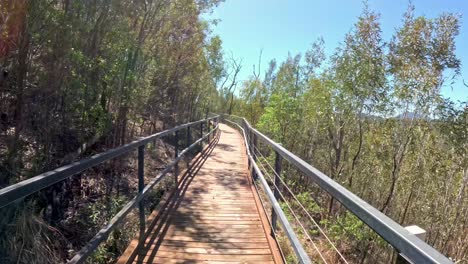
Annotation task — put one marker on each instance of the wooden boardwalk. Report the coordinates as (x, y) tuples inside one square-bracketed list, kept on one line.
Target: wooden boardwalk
[(215, 215)]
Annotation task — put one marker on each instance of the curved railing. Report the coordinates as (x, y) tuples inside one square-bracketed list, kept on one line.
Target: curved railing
[(410, 247), (22, 189)]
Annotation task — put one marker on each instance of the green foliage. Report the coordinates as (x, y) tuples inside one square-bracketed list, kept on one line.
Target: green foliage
[(345, 226), (281, 116), (372, 117), (84, 77), (310, 205), (97, 215), (103, 211)]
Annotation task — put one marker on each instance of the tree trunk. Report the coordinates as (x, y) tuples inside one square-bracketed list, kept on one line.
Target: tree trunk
[(21, 75)]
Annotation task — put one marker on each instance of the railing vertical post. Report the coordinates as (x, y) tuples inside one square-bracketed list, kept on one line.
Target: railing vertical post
[(201, 130), (246, 133), (254, 154), (211, 127), (141, 186), (189, 137), (208, 129), (276, 191), (419, 233), (249, 141), (176, 155)]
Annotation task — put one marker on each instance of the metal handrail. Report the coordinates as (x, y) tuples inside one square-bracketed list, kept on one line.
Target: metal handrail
[(22, 189), (413, 248)]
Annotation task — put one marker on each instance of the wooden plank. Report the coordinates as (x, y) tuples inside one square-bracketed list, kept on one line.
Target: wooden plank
[(218, 212), (222, 210), (158, 260), (218, 239), (213, 187), (221, 219), (217, 220), (217, 225), (214, 244), (206, 214), (214, 218), (216, 235), (242, 192), (214, 251), (219, 185), (195, 256), (215, 182), (218, 197), (220, 192), (201, 234), (225, 230), (235, 209), (223, 203), (196, 200), (217, 207)]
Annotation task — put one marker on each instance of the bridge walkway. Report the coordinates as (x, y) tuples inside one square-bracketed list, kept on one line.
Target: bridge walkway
[(215, 216)]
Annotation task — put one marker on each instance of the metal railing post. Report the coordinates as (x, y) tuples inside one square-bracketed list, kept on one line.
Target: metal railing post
[(201, 130), (249, 141), (419, 233), (176, 155), (247, 146), (276, 192), (141, 186), (189, 137), (208, 126), (211, 127), (254, 154)]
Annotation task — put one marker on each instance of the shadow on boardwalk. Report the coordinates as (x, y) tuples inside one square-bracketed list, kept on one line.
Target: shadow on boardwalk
[(212, 216)]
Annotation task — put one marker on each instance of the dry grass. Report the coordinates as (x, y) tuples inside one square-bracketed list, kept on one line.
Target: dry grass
[(31, 240), (27, 238)]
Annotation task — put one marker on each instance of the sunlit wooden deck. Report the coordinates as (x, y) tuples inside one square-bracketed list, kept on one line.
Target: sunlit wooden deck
[(214, 217)]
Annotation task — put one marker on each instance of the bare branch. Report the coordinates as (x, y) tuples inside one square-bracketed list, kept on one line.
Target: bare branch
[(257, 74)]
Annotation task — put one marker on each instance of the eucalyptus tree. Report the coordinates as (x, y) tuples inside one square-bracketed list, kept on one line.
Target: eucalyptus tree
[(420, 54), (359, 90), (282, 116)]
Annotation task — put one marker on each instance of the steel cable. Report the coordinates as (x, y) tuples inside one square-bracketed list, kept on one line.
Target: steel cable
[(300, 204), (296, 217)]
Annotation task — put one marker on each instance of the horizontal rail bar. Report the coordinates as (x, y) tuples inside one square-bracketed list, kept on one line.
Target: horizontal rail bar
[(27, 187), (296, 244), (406, 243), (102, 235)]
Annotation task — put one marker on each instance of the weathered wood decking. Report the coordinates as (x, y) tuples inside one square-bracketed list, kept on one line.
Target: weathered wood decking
[(214, 217)]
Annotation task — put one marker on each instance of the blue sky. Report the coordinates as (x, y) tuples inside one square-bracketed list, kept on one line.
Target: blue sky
[(280, 26)]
